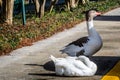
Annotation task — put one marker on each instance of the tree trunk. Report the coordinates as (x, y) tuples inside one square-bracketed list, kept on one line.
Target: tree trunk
[(37, 6), (74, 3), (6, 14), (0, 2), (68, 4), (9, 11), (42, 8), (53, 2), (0, 6), (85, 1), (71, 3), (3, 11)]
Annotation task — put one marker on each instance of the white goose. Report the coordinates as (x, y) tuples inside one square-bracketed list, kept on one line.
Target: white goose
[(74, 66), (86, 45)]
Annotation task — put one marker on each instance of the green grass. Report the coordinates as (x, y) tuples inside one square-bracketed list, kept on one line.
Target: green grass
[(11, 36)]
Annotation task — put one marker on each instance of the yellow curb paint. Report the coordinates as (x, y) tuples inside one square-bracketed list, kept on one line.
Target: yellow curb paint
[(113, 74)]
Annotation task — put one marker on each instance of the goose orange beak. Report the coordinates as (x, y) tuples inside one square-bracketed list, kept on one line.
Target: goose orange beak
[(98, 13)]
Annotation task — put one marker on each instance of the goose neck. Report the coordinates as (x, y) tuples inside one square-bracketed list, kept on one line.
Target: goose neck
[(90, 24)]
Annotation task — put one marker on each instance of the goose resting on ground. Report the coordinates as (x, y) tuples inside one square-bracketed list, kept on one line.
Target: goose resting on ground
[(74, 66), (86, 45)]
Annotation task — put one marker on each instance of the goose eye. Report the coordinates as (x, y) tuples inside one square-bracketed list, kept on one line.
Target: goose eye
[(94, 12)]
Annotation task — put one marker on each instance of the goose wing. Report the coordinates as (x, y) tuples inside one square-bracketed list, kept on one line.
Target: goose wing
[(79, 42), (76, 47)]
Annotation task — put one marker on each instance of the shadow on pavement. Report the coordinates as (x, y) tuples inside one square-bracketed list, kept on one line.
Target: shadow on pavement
[(104, 63), (43, 74), (108, 18)]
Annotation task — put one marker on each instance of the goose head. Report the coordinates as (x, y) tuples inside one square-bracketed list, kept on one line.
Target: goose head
[(91, 14)]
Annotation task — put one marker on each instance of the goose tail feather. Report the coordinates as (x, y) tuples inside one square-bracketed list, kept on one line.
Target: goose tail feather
[(52, 58)]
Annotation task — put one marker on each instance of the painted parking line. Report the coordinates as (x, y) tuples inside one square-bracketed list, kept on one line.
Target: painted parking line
[(113, 74)]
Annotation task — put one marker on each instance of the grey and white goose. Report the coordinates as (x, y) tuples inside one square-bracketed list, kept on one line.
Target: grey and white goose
[(88, 45)]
